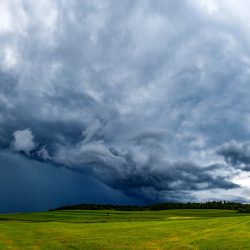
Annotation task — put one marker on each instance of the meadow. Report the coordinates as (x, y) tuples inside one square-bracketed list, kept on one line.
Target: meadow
[(106, 229)]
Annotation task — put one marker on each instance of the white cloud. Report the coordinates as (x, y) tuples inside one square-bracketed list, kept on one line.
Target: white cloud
[(10, 58), (23, 141), (5, 19)]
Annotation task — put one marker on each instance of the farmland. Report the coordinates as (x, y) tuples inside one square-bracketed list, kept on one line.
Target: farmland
[(109, 229)]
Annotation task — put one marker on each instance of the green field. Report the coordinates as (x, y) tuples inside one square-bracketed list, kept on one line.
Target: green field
[(170, 229)]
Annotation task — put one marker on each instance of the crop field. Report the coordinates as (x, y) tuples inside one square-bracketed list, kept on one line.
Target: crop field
[(169, 229)]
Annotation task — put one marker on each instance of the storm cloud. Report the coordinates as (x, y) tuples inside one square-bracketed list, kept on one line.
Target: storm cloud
[(150, 98), (236, 154)]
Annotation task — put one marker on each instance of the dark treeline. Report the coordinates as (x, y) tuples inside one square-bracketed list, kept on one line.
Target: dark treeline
[(242, 208)]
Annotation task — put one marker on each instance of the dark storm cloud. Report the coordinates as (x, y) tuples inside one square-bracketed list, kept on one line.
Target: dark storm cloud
[(140, 172), (236, 154), (138, 94), (176, 179)]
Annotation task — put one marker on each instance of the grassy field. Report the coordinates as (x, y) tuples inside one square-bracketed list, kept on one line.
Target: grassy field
[(171, 229)]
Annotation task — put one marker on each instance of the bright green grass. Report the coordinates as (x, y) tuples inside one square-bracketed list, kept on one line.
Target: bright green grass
[(171, 229)]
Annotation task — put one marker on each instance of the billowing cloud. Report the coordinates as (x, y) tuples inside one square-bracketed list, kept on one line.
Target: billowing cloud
[(236, 154), (142, 174), (145, 96), (23, 141)]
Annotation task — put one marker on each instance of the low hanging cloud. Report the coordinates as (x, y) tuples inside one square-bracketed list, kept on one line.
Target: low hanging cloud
[(139, 172), (135, 93), (23, 141)]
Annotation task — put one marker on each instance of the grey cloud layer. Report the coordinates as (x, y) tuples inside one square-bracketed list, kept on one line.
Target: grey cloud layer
[(128, 91), (236, 154)]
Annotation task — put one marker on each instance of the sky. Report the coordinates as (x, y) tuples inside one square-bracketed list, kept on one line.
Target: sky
[(123, 102)]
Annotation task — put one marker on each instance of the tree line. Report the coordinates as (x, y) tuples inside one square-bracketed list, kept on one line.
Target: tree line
[(240, 207)]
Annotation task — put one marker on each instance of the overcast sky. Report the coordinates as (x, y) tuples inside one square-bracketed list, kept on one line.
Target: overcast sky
[(123, 101)]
